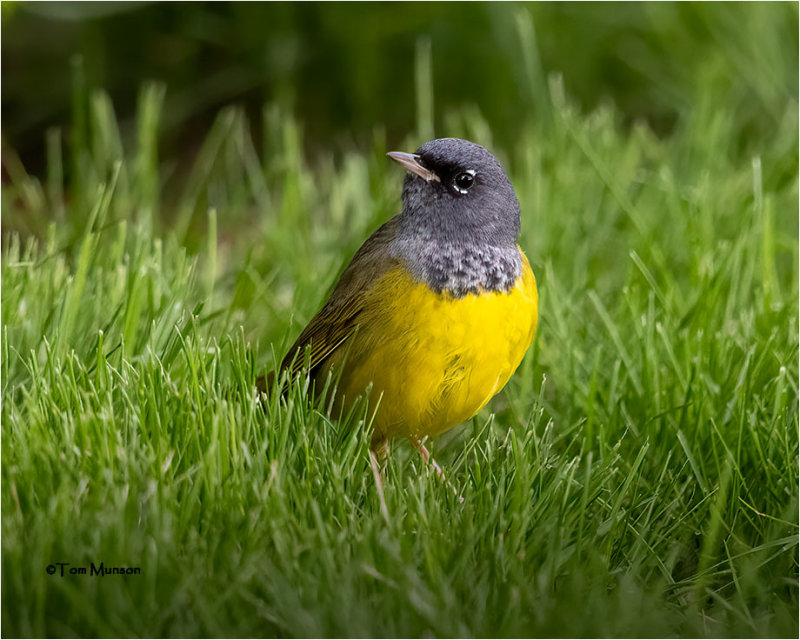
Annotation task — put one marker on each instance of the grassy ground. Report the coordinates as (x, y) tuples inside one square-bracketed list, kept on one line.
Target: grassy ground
[(638, 476)]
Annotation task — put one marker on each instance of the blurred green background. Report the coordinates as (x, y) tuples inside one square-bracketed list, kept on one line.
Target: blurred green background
[(346, 69)]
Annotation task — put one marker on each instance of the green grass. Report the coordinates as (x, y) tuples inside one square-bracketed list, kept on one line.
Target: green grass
[(638, 476)]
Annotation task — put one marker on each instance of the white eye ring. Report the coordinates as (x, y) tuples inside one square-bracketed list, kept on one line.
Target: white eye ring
[(463, 192)]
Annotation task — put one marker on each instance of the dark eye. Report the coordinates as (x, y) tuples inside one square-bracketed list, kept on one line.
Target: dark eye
[(464, 181)]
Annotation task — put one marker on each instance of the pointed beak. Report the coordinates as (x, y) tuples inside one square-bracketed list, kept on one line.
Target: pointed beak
[(411, 163)]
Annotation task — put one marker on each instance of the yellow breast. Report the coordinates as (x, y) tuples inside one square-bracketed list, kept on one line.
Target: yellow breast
[(435, 360)]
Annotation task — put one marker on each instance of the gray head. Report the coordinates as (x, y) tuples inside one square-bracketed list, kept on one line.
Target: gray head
[(460, 219), (458, 191)]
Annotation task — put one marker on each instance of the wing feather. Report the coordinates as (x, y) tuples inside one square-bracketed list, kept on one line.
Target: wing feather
[(339, 318)]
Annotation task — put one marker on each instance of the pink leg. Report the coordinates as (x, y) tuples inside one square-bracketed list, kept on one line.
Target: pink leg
[(426, 456)]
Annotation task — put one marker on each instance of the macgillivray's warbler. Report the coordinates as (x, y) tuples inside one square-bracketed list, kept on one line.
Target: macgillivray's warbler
[(437, 307)]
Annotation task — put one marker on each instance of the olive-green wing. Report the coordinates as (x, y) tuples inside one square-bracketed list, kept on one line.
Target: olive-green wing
[(339, 318)]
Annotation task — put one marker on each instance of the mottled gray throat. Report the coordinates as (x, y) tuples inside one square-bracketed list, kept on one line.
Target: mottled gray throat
[(460, 221)]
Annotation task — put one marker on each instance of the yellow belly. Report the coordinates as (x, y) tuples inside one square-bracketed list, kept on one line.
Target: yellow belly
[(434, 360)]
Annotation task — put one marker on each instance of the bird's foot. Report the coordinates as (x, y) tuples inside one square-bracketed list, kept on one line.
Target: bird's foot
[(428, 458)]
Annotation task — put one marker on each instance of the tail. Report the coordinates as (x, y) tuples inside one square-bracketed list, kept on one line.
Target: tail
[(264, 382)]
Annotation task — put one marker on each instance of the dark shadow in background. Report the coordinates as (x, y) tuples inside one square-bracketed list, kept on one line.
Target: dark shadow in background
[(347, 68)]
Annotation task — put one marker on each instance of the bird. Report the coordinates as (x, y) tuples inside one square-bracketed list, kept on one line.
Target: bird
[(436, 309)]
